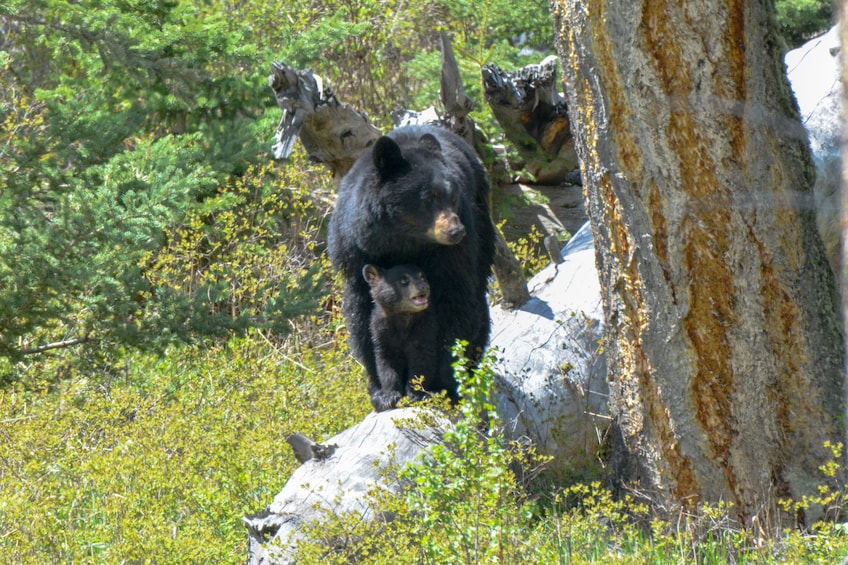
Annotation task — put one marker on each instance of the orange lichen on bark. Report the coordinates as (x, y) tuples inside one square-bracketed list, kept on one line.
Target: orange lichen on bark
[(734, 86), (661, 43), (638, 381), (619, 112), (555, 132), (711, 283), (685, 486), (637, 384), (798, 425)]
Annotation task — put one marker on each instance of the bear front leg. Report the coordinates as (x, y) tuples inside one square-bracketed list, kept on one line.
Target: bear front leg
[(432, 365), (391, 385)]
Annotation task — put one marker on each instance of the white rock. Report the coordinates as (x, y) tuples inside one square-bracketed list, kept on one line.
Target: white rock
[(814, 73)]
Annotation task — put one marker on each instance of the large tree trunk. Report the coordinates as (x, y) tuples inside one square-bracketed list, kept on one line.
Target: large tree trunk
[(724, 337), (842, 267)]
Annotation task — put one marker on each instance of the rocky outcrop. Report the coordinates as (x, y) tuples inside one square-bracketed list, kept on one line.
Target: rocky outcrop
[(552, 376), (814, 73)]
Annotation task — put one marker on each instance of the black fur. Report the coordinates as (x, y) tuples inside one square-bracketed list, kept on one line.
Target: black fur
[(405, 334), (386, 215)]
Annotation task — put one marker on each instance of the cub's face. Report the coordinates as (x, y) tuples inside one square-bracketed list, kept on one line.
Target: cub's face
[(398, 290)]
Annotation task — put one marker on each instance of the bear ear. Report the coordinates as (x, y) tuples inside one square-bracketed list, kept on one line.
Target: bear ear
[(429, 141), (371, 273), (387, 157)]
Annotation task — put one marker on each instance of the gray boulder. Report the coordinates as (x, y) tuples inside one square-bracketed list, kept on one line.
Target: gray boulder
[(552, 376), (814, 74)]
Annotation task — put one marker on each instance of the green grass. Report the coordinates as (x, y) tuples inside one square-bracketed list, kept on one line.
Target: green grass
[(160, 464)]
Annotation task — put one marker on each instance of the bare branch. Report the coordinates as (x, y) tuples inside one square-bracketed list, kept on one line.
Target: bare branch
[(54, 345)]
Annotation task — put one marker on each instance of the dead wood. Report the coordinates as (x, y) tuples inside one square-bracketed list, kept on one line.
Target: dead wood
[(534, 117), (331, 132)]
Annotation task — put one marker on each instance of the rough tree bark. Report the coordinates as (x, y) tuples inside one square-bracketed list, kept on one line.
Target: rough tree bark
[(724, 337)]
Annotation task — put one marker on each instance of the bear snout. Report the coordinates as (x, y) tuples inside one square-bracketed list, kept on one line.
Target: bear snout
[(447, 229), (421, 301), (456, 234)]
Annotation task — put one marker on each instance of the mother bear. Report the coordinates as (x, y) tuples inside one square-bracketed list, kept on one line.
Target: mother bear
[(419, 196)]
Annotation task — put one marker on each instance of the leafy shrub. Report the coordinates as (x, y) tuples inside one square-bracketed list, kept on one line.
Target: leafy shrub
[(247, 258), (466, 503), (530, 251), (116, 120)]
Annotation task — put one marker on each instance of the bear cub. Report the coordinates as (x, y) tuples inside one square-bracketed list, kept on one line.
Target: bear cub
[(404, 332)]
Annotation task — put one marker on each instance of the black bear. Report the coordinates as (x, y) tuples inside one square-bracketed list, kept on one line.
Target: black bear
[(419, 196), (404, 332)]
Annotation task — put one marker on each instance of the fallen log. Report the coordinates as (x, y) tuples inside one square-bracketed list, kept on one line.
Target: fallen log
[(340, 481)]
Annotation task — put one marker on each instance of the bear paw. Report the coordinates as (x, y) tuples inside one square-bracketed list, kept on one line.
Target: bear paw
[(385, 400)]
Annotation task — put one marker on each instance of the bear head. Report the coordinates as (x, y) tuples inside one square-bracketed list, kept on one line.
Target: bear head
[(416, 188), (398, 290)]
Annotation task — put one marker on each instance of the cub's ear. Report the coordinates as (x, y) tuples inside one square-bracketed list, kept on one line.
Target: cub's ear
[(371, 273), (387, 158), (429, 141)]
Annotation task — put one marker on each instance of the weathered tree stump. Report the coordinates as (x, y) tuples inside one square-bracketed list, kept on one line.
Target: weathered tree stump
[(455, 101), (331, 132), (534, 118)]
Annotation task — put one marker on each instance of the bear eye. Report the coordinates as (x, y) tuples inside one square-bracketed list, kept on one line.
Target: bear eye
[(404, 280), (428, 195)]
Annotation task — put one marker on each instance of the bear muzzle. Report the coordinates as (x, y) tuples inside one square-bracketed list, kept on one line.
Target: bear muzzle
[(448, 229), (421, 301)]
